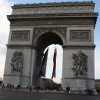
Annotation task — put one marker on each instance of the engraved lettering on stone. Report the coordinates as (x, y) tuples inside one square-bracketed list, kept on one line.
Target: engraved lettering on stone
[(79, 64), (79, 35), (17, 62), (52, 9), (20, 35)]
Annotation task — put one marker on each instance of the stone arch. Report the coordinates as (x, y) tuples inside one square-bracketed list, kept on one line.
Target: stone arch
[(42, 41), (32, 32), (49, 33)]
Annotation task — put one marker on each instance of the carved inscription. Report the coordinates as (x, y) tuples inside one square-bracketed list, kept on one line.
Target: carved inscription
[(17, 62), (80, 36), (20, 35), (79, 64), (46, 10)]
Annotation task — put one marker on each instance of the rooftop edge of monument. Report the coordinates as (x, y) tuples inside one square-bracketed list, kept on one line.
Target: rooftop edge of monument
[(53, 4), (54, 7)]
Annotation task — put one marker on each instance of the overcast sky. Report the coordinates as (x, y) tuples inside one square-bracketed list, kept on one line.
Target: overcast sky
[(5, 9)]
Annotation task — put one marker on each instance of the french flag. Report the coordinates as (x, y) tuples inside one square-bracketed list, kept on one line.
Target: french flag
[(43, 66), (54, 64)]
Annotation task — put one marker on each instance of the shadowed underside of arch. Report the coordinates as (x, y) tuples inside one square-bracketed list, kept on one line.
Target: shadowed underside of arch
[(47, 39)]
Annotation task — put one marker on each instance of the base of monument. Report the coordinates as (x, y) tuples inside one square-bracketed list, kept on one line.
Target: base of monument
[(16, 79), (78, 84)]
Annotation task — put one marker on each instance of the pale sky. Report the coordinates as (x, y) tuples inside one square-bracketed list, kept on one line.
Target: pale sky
[(5, 9)]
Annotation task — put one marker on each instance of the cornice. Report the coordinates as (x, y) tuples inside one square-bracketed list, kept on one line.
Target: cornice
[(28, 46), (25, 46), (53, 21), (62, 15), (86, 78), (50, 4), (90, 47)]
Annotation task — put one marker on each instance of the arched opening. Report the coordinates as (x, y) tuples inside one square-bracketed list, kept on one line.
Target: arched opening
[(59, 57), (52, 40), (47, 39)]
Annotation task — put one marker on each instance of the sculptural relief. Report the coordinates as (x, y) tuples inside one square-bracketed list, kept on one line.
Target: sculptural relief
[(79, 64), (20, 35), (17, 62), (46, 10), (80, 36)]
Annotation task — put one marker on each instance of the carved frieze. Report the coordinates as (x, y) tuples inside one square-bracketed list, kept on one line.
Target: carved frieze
[(17, 62), (81, 36), (79, 64), (55, 9), (54, 22), (60, 30), (20, 35)]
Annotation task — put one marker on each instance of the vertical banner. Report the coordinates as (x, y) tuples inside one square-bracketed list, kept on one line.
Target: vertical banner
[(54, 64), (43, 66)]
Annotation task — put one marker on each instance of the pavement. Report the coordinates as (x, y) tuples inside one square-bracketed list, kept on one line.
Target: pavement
[(33, 90), (25, 94), (47, 91)]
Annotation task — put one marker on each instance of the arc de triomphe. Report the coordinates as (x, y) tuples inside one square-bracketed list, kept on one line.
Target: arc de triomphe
[(33, 27)]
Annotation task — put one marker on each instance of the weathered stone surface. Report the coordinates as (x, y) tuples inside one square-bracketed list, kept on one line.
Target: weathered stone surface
[(64, 7), (35, 26)]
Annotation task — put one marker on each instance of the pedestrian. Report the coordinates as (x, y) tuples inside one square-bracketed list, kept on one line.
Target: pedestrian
[(13, 86), (10, 86), (3, 86), (98, 91), (27, 87), (45, 89), (67, 89), (30, 88), (18, 86)]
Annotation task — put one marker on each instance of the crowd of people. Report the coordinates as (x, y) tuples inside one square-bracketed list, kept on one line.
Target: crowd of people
[(37, 88)]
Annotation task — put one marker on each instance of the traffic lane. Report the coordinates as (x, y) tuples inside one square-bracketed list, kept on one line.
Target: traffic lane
[(22, 95)]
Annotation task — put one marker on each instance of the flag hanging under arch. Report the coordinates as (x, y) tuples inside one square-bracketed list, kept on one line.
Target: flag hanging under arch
[(54, 64), (43, 66)]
